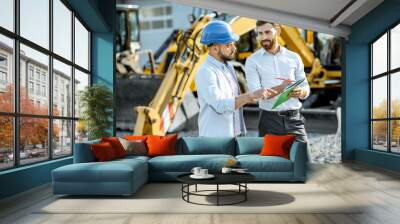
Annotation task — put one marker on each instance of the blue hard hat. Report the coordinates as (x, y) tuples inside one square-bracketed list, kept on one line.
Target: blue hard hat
[(218, 32)]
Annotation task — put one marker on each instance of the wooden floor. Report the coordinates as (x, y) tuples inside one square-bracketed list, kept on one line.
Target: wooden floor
[(377, 188)]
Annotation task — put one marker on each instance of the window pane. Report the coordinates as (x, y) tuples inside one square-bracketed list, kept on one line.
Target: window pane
[(145, 12), (158, 11), (6, 75), (36, 101), (395, 136), (379, 135), (168, 10), (33, 139), (35, 21), (7, 14), (169, 23), (62, 89), (81, 45), (6, 142), (62, 138), (134, 27), (81, 131), (121, 30), (395, 94), (379, 55), (379, 97), (145, 25), (158, 24), (395, 47), (62, 29), (81, 81)]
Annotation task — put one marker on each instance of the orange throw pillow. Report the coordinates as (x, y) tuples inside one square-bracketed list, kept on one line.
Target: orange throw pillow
[(161, 145), (116, 145), (277, 145), (103, 152), (136, 137)]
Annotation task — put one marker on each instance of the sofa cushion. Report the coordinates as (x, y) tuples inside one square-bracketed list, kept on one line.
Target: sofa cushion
[(136, 137), (249, 145), (206, 145), (161, 145), (112, 171), (103, 152), (134, 147), (116, 145), (257, 163), (129, 159), (185, 163), (277, 145)]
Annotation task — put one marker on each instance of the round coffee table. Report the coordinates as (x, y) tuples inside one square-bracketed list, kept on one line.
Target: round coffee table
[(238, 179)]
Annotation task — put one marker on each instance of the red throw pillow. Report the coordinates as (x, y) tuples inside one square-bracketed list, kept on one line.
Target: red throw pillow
[(277, 145), (116, 145), (103, 152), (161, 145), (136, 137)]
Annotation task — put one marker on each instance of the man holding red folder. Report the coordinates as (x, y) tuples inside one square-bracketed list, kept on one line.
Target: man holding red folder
[(267, 67)]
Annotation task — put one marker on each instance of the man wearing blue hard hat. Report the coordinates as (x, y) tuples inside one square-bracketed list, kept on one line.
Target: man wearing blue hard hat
[(221, 112)]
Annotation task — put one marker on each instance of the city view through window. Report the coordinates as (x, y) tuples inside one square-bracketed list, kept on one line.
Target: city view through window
[(40, 82)]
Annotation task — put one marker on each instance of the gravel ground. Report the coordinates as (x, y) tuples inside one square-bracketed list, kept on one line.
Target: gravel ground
[(324, 148)]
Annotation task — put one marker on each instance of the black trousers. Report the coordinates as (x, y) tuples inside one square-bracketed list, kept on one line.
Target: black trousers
[(282, 123)]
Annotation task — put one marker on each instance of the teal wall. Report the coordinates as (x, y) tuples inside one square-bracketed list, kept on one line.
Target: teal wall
[(98, 15), (103, 54), (24, 178), (103, 65), (356, 99)]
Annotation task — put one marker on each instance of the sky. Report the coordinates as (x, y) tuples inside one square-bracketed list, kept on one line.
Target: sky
[(34, 26), (379, 59)]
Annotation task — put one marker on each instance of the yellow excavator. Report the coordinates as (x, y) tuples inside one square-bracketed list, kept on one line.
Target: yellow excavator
[(157, 117), (159, 114)]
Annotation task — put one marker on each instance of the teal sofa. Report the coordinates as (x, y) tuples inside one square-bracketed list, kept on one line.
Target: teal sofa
[(125, 176)]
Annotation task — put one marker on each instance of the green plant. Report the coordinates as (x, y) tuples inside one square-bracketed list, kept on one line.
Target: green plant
[(96, 102)]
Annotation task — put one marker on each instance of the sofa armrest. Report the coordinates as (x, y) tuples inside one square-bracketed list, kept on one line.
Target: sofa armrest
[(298, 155), (83, 152)]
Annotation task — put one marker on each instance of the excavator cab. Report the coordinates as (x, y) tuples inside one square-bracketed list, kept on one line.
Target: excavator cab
[(127, 39), (127, 25)]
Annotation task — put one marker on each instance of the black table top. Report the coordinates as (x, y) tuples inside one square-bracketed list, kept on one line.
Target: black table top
[(220, 178)]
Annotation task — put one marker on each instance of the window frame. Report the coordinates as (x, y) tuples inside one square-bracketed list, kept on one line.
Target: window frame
[(388, 74), (16, 114)]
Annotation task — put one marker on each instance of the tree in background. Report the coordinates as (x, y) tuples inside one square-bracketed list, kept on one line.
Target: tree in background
[(33, 131), (380, 127), (6, 122)]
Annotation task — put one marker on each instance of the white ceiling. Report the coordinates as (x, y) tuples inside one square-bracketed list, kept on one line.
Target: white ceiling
[(325, 16)]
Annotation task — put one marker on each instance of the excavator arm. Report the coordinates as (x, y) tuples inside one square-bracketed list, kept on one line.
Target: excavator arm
[(158, 116)]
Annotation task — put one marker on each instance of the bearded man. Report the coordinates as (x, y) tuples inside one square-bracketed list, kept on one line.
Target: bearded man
[(267, 67), (218, 92)]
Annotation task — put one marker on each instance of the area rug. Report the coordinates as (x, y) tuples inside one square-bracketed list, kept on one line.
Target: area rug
[(167, 198)]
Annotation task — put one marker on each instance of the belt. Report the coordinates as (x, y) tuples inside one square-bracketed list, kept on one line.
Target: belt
[(283, 112)]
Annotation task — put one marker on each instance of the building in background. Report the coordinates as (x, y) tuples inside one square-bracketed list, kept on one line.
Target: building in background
[(158, 19), (34, 82)]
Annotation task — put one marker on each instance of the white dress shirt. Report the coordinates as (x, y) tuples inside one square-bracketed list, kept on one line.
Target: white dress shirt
[(263, 68), (217, 88)]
